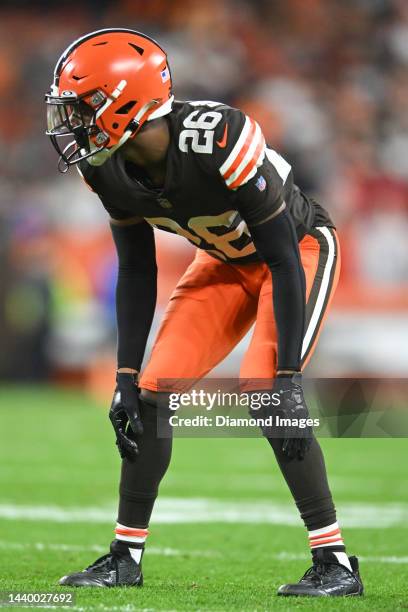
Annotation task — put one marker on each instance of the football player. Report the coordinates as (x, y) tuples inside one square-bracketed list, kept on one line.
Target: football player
[(266, 253)]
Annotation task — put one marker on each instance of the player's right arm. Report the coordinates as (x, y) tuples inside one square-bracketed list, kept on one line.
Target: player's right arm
[(136, 292), (136, 289)]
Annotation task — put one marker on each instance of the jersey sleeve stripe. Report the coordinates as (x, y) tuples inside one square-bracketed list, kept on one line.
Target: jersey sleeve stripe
[(237, 148), (246, 156), (281, 165), (242, 153), (251, 168)]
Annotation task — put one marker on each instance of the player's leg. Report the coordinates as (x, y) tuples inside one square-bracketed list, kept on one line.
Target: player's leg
[(139, 484), (307, 479), (208, 313)]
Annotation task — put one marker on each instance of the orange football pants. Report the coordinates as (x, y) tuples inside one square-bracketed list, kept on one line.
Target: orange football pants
[(215, 304)]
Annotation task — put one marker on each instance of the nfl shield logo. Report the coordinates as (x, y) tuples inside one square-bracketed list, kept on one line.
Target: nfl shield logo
[(261, 183)]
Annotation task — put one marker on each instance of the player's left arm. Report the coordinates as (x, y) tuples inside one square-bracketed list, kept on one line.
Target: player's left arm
[(276, 241), (258, 177)]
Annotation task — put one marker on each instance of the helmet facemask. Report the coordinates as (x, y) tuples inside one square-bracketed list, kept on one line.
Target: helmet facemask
[(71, 126)]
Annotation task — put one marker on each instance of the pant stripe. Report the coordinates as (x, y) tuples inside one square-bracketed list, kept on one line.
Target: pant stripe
[(322, 286)]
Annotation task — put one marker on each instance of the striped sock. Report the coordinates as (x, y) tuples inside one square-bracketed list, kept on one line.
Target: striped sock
[(330, 538), (134, 538)]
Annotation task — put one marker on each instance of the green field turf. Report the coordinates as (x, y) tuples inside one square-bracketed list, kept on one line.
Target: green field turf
[(57, 452)]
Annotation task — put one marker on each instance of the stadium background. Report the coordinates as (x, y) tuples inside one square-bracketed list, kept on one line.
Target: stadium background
[(327, 80)]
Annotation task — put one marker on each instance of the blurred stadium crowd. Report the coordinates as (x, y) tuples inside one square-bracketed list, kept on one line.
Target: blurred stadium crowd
[(328, 82)]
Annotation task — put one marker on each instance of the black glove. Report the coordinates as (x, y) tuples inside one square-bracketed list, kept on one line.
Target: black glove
[(125, 414), (296, 440)]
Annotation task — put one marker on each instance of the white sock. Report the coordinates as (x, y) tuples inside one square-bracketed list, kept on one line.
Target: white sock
[(329, 536), (136, 554), (343, 559), (132, 535)]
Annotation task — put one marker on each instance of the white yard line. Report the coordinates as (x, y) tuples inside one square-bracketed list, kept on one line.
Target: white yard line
[(174, 552), (51, 546), (288, 556), (194, 510)]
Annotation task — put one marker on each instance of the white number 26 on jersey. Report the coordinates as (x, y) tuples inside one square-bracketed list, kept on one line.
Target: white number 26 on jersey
[(200, 131)]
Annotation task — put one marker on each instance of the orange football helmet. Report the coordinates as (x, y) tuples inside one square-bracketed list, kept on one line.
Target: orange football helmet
[(107, 84)]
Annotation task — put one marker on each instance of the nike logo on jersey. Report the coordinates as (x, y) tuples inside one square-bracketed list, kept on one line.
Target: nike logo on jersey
[(223, 142)]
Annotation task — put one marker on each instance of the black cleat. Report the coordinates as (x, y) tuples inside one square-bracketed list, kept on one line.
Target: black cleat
[(111, 570), (326, 578)]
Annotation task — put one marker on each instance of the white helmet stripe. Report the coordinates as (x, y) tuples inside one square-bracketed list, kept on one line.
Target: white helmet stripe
[(113, 96)]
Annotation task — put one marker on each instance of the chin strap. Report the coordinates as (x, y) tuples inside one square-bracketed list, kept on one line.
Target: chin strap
[(100, 156)]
